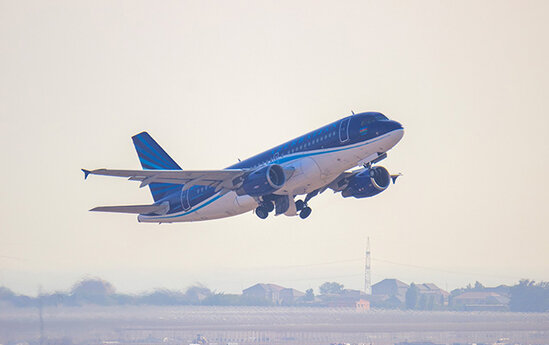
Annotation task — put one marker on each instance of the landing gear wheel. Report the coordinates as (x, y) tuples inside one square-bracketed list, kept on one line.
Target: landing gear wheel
[(268, 206), (305, 212), (299, 205), (261, 212)]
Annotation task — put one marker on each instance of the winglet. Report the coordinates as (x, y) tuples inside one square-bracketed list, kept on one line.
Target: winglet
[(394, 177), (86, 173)]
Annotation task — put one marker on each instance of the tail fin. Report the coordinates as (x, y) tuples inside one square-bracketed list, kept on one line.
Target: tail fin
[(153, 157)]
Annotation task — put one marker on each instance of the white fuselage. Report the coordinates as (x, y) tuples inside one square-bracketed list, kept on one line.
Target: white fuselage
[(311, 171)]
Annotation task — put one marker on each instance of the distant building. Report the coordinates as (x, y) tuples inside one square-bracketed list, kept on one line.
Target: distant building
[(389, 292), (362, 305), (503, 290), (289, 296), (433, 294), (267, 292), (346, 299), (481, 301)]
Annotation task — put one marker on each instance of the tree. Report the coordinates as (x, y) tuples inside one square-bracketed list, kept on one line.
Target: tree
[(331, 288), (527, 296), (309, 295), (197, 293), (95, 291), (93, 287), (411, 296), (478, 286), (221, 298), (162, 297)]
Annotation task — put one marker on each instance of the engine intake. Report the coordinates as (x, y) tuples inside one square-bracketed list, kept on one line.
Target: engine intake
[(368, 183), (263, 181)]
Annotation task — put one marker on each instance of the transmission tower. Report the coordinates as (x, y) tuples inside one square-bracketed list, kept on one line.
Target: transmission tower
[(367, 267)]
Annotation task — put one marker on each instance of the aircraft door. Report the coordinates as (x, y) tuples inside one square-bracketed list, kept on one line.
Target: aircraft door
[(344, 130), (185, 203)]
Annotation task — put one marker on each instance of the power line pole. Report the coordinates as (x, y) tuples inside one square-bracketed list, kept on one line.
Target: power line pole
[(367, 268)]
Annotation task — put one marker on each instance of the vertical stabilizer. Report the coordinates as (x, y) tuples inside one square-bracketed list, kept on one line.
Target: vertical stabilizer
[(153, 157)]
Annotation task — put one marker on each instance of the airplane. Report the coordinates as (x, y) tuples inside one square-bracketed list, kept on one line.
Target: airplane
[(270, 181)]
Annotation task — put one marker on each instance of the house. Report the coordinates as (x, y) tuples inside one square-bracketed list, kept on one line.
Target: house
[(289, 296), (390, 290), (481, 301), (362, 305), (503, 290), (264, 292), (433, 293)]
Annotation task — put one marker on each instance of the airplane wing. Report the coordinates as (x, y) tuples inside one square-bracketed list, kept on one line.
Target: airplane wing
[(229, 179), (341, 181)]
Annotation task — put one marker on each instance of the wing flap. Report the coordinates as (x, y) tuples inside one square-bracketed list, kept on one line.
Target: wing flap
[(135, 209)]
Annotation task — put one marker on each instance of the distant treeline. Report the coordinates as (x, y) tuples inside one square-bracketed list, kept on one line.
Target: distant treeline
[(100, 292), (526, 296)]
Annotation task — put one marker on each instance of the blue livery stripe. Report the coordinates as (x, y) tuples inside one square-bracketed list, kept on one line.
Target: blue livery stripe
[(151, 166), (190, 211), (150, 157), (160, 154), (154, 154)]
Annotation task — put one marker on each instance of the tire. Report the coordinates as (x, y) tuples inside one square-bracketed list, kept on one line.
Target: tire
[(261, 212), (305, 212), (268, 206), (299, 205)]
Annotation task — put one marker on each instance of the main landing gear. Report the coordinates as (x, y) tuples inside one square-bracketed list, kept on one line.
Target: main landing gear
[(267, 205), (303, 209), (262, 211)]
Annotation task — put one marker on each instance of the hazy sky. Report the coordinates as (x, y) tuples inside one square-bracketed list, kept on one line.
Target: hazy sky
[(217, 81)]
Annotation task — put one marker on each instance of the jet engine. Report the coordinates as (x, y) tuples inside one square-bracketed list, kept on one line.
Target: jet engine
[(263, 181), (367, 183)]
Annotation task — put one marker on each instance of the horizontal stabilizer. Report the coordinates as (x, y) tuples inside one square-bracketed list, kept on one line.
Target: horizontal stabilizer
[(86, 173), (136, 209)]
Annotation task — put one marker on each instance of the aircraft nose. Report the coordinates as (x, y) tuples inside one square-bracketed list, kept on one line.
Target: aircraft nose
[(394, 125), (397, 131), (390, 126)]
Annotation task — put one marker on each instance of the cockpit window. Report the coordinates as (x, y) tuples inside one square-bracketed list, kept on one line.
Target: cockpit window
[(371, 118), (368, 120), (380, 116)]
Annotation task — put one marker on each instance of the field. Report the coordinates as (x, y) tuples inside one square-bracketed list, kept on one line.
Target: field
[(258, 325)]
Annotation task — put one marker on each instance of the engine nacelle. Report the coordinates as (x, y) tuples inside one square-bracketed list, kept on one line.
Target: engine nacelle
[(368, 183), (263, 181)]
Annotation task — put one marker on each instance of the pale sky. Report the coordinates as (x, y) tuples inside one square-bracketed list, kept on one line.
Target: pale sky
[(216, 81)]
